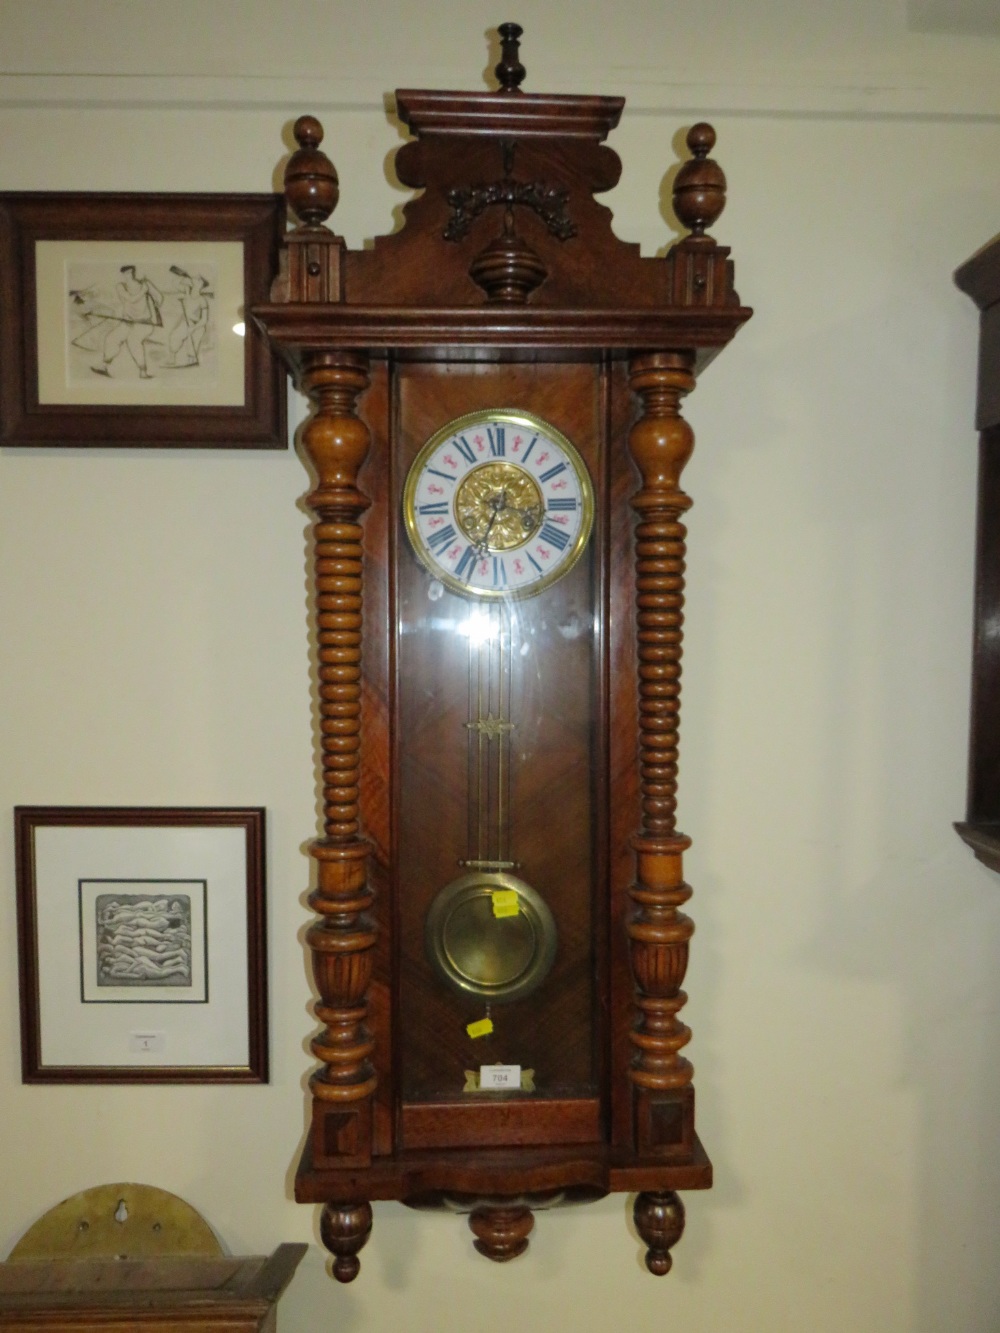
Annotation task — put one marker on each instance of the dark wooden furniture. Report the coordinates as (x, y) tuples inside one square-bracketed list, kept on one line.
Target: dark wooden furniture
[(980, 278), (127, 1256), (469, 735), (194, 1293)]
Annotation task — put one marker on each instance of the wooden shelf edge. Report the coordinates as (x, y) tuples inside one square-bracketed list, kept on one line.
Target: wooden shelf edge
[(589, 1170), (190, 1289), (984, 839)]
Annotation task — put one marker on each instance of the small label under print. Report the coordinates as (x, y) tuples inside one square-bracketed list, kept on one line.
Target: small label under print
[(147, 1043)]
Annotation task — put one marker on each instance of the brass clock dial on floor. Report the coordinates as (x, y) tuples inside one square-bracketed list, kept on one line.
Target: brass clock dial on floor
[(497, 445)]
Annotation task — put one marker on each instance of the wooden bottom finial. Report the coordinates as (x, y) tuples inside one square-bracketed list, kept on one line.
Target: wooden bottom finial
[(345, 1228), (659, 1220), (501, 1232)]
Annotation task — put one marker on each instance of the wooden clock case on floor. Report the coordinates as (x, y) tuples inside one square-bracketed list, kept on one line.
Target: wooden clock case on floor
[(506, 286)]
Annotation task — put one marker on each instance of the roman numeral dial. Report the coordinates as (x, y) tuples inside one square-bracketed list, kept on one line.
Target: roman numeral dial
[(498, 504)]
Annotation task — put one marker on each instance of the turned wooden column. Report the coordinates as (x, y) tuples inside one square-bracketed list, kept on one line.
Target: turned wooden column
[(335, 441), (661, 442), (342, 941)]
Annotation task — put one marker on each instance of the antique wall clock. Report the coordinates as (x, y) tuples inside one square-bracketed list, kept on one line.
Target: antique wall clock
[(497, 444)]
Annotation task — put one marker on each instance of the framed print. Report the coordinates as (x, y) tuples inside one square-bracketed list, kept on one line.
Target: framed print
[(141, 937), (124, 320)]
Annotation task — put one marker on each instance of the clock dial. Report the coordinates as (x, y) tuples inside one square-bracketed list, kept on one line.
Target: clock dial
[(498, 504)]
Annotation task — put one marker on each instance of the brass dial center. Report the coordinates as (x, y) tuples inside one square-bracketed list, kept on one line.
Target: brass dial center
[(499, 506)]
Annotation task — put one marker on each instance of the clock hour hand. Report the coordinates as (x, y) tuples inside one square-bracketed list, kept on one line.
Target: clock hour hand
[(497, 503)]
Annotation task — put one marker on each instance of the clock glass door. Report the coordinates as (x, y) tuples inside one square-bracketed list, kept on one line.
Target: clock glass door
[(500, 750)]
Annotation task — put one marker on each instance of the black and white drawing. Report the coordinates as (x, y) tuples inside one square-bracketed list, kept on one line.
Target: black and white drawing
[(143, 939), (141, 321)]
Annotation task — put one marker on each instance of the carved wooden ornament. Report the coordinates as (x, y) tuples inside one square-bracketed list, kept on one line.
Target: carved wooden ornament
[(497, 446)]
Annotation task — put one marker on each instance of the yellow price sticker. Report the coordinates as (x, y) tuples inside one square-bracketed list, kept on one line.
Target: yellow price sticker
[(505, 902), (481, 1028)]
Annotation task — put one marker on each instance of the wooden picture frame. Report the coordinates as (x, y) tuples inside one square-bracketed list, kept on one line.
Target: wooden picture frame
[(142, 944), (119, 319)]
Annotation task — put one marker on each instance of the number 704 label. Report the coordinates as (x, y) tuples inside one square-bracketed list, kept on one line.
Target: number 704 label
[(499, 1076)]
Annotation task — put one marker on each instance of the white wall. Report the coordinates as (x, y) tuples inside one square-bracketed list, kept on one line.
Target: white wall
[(844, 983)]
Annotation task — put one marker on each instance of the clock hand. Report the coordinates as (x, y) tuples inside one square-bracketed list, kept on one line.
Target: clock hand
[(497, 503), (483, 545)]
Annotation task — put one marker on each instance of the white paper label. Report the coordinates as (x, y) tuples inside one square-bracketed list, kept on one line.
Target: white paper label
[(140, 1043), (499, 1076)]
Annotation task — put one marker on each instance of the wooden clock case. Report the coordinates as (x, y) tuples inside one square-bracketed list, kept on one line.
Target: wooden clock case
[(505, 287)]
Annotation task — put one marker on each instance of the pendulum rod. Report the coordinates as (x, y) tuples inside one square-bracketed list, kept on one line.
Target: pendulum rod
[(489, 747)]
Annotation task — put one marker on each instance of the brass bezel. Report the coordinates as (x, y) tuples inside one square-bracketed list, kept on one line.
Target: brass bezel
[(513, 417), (533, 907)]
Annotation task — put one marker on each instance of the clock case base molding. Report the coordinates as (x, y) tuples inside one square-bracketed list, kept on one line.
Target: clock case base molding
[(500, 1191), (505, 288)]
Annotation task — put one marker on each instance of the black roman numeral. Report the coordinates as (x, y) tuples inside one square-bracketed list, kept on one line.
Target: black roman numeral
[(465, 567), (552, 535), (440, 539), (465, 448)]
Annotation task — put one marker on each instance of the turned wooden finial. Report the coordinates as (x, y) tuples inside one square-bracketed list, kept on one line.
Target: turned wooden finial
[(311, 185), (345, 1228), (501, 1232), (510, 72), (508, 269), (700, 187), (659, 1220)]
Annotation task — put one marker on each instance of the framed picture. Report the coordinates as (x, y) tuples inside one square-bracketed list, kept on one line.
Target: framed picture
[(142, 945), (124, 320)]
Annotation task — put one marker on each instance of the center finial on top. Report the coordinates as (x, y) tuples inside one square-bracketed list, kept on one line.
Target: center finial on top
[(510, 72)]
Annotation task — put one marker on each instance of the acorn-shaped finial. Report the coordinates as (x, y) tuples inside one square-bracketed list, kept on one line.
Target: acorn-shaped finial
[(700, 186), (311, 185)]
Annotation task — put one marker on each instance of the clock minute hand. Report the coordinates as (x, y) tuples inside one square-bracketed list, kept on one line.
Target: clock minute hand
[(497, 503)]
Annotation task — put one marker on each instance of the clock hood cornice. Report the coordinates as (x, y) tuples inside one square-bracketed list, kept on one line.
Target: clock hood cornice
[(518, 115), (505, 246)]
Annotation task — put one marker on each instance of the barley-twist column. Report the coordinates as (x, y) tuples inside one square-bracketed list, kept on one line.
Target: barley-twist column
[(342, 941), (661, 442)]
